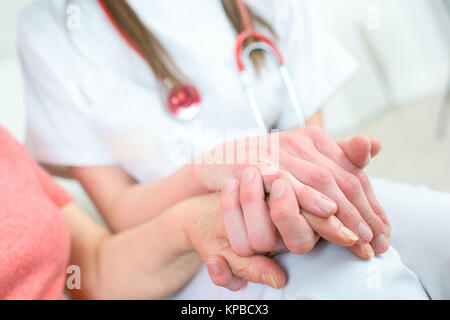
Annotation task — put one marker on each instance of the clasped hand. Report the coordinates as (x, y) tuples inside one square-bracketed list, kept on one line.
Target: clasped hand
[(318, 191)]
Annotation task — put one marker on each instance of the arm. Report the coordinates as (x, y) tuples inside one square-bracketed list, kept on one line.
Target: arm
[(325, 181), (156, 259), (151, 261), (316, 120), (125, 203)]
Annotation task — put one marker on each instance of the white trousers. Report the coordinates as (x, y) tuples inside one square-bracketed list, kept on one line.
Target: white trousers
[(417, 266)]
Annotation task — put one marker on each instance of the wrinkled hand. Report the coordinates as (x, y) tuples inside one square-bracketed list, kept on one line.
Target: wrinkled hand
[(325, 181), (206, 233)]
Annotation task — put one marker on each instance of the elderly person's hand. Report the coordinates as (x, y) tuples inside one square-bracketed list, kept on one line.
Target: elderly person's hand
[(206, 233)]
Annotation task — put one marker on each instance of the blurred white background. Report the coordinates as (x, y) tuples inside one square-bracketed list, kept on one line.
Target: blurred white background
[(397, 95)]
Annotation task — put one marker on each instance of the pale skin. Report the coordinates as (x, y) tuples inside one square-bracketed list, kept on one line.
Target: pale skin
[(125, 204), (283, 209), (147, 262)]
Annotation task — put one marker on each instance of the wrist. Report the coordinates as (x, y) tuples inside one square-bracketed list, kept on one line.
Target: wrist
[(187, 218), (195, 178), (200, 217)]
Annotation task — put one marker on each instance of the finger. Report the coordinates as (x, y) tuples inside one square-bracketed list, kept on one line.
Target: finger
[(364, 251), (355, 193), (233, 219), (342, 143), (297, 235), (329, 149), (311, 199), (356, 186), (331, 229), (358, 151), (262, 234), (221, 275), (376, 146), (257, 268), (323, 180)]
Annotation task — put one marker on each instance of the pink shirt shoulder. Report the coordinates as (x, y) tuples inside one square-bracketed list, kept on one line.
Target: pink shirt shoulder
[(34, 239)]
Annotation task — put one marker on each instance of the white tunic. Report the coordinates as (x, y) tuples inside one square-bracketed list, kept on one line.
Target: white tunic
[(93, 101)]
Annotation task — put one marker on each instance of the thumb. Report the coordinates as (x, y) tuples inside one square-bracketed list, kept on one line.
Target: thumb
[(257, 268), (360, 149), (221, 275)]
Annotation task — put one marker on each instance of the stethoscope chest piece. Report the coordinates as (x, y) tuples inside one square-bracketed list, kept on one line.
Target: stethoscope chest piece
[(184, 102)]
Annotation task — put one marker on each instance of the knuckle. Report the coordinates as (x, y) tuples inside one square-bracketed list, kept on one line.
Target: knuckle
[(376, 207), (350, 185), (289, 138), (243, 271), (283, 175), (262, 242), (322, 177), (348, 213), (313, 131), (248, 196), (361, 176), (243, 250), (300, 144), (373, 222), (282, 213), (301, 246)]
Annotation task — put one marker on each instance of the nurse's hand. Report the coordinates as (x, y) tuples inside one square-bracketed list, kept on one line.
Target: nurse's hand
[(284, 210), (252, 226), (206, 234), (319, 170)]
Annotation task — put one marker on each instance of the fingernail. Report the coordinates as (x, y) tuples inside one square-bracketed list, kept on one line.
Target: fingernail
[(381, 243), (213, 268), (229, 186), (364, 232), (236, 284), (247, 175), (326, 205), (368, 251), (388, 229), (348, 234), (269, 280), (278, 189)]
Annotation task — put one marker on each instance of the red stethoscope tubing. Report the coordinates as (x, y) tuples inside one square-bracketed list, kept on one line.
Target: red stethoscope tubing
[(184, 102), (250, 33)]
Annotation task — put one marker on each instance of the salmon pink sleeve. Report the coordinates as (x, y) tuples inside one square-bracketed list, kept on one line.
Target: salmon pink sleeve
[(55, 192)]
